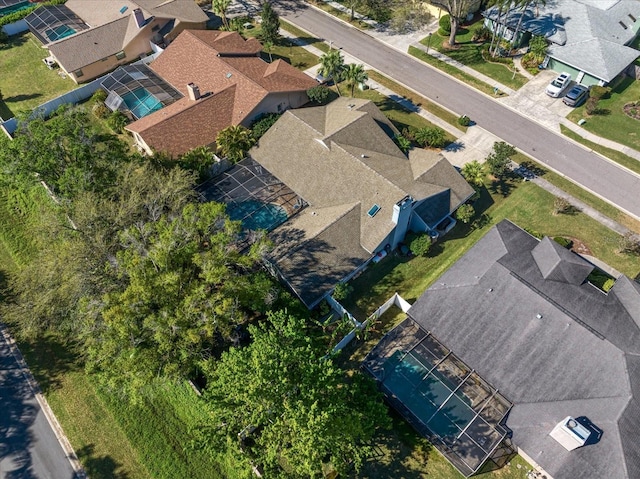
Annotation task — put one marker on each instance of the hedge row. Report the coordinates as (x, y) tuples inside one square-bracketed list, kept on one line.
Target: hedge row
[(19, 15)]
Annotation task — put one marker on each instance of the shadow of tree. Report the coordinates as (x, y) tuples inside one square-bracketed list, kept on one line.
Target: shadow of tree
[(455, 146), (19, 98), (99, 467)]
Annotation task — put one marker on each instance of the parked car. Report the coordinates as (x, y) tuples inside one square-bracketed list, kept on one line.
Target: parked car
[(558, 85), (576, 96), (320, 78)]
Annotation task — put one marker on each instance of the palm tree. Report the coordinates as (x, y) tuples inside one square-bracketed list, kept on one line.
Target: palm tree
[(220, 8), (503, 6), (474, 173), (354, 74), (234, 141), (332, 66)]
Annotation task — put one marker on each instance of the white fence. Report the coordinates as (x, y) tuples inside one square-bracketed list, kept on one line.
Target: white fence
[(74, 96), (15, 27), (395, 300)]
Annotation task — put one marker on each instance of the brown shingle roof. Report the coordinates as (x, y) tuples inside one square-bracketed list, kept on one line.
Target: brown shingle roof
[(194, 58)]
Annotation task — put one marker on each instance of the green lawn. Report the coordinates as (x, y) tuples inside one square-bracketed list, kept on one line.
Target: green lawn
[(614, 125), (469, 53), (416, 99), (304, 36), (526, 204), (454, 72), (25, 81), (399, 116)]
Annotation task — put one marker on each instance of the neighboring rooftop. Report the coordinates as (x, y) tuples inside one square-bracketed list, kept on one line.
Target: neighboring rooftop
[(521, 314), (342, 160), (232, 81), (590, 35)]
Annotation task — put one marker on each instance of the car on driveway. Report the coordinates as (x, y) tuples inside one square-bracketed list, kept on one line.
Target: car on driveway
[(576, 96), (558, 85)]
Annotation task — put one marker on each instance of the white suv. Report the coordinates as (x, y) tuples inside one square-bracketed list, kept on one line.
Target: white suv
[(558, 85)]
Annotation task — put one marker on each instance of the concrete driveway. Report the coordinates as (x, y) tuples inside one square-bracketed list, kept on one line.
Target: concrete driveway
[(532, 101)]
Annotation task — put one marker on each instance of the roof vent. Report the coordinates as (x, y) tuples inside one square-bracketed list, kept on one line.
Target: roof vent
[(570, 433), (194, 91), (228, 75), (123, 9), (374, 210), (633, 19), (623, 25), (539, 316)]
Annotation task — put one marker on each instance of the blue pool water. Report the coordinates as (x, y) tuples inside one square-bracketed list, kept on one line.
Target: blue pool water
[(140, 102), (14, 8), (256, 215), (57, 33)]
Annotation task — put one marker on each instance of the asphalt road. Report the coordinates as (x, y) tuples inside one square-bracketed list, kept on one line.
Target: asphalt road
[(29, 448), (612, 183)]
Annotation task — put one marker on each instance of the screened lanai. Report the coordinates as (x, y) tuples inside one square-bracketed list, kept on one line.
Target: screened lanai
[(53, 23), (138, 89), (439, 395)]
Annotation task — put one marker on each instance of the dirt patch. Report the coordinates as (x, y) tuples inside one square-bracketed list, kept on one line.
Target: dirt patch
[(579, 246), (632, 109)]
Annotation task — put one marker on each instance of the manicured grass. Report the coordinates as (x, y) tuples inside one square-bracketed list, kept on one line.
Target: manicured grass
[(454, 72), (526, 204), (25, 81), (615, 155), (399, 116), (416, 99), (614, 125), (470, 53), (304, 36), (343, 15), (286, 50), (579, 193)]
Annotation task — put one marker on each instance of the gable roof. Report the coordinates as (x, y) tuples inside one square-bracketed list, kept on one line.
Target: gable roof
[(233, 81), (341, 155), (586, 34), (553, 347), (112, 26)]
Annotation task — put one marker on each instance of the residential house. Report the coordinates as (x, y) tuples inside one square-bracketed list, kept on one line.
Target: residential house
[(590, 39), (223, 81), (363, 193), (525, 324), (88, 38)]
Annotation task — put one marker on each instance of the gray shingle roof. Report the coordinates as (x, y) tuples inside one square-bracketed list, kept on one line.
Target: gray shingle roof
[(552, 347), (340, 155), (586, 34)]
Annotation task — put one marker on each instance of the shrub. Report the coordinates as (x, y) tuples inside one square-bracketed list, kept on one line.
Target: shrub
[(420, 244), (464, 120), (117, 121), (608, 284), (465, 213), (434, 137), (100, 110), (319, 94), (4, 38), (564, 242), (260, 127), (599, 92), (342, 291), (409, 133), (99, 96), (482, 34), (445, 24), (630, 244), (561, 206), (591, 106), (403, 143), (534, 233)]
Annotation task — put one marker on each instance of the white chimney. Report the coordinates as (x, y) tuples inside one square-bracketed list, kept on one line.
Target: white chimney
[(194, 91), (139, 16), (570, 433)]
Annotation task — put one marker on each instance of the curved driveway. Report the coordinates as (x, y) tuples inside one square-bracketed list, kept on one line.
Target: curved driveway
[(602, 177)]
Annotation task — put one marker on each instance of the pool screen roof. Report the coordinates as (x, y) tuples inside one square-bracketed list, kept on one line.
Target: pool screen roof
[(9, 3), (439, 395), (129, 78), (253, 195), (44, 20)]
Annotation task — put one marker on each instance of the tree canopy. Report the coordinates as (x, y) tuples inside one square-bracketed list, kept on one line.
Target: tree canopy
[(332, 66), (288, 407), (270, 24)]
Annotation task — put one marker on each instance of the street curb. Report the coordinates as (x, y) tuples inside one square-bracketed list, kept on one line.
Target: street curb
[(44, 405)]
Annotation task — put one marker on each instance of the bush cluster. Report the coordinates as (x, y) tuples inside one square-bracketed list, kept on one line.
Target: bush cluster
[(445, 25), (419, 244), (464, 120), (599, 92), (564, 242), (260, 127)]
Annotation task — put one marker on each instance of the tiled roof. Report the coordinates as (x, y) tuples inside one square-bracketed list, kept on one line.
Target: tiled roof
[(551, 345), (198, 56)]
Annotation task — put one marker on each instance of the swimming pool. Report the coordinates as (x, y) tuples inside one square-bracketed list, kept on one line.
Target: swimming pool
[(62, 31), (6, 10), (256, 215), (140, 102)]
